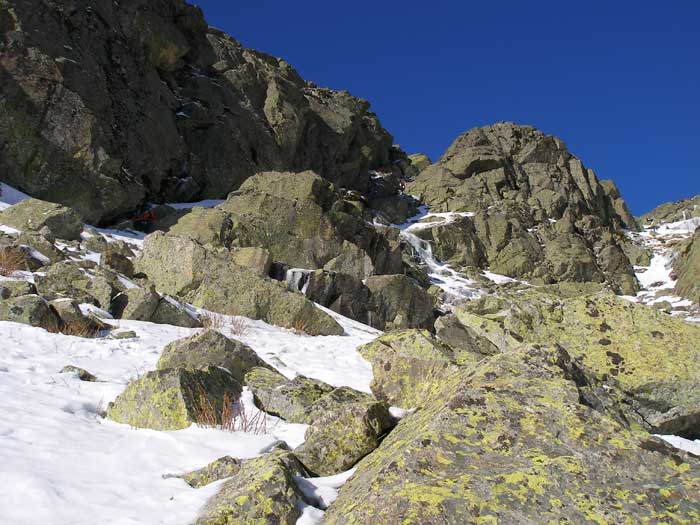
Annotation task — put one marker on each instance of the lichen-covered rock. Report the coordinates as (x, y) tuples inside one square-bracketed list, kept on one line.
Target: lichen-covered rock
[(333, 401), (338, 439), (409, 366), (510, 442), (263, 492), (342, 293), (211, 348), (14, 288), (42, 245), (212, 279), (116, 261), (173, 313), (419, 161), (400, 302), (138, 304), (461, 338), (289, 399), (672, 212), (647, 352), (225, 112), (80, 373), (538, 213), (74, 280), (68, 310), (222, 468), (34, 215), (253, 258), (204, 225), (28, 309), (174, 398), (455, 242)]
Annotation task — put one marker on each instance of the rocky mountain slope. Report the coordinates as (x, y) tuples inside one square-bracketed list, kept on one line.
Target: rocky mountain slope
[(309, 326), (107, 106)]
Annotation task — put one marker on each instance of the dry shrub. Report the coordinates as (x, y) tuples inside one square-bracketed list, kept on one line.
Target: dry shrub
[(300, 327), (79, 328), (214, 322), (232, 416), (218, 322), (12, 260), (239, 326)]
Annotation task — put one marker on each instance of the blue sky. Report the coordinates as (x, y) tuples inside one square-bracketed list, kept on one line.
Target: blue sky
[(619, 81)]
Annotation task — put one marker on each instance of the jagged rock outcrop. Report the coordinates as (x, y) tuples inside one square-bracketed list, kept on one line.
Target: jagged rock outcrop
[(536, 211), (514, 442), (106, 105), (672, 212)]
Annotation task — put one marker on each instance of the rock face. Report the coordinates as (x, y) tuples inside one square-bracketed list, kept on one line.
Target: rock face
[(304, 222), (537, 211), (108, 105), (400, 302), (672, 212), (263, 491), (645, 351), (687, 267), (174, 398), (510, 442)]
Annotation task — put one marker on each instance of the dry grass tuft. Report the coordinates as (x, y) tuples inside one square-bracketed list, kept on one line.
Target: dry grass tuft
[(218, 322), (232, 416), (12, 260), (214, 322), (78, 328), (301, 327), (239, 326)]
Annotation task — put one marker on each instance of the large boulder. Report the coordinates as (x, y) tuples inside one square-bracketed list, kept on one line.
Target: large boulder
[(338, 439), (288, 399), (75, 280), (224, 113), (212, 279), (32, 310), (400, 302), (409, 366), (211, 348), (644, 350), (34, 215), (263, 491), (514, 442), (175, 398)]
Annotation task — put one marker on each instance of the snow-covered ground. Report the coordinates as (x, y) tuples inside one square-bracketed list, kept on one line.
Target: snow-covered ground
[(62, 463)]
